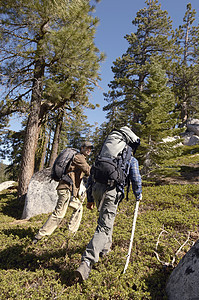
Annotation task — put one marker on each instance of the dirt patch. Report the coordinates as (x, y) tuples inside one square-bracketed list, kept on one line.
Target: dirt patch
[(19, 222), (188, 174), (170, 180)]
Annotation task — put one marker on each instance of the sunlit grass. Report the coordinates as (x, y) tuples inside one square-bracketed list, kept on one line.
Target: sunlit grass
[(46, 270)]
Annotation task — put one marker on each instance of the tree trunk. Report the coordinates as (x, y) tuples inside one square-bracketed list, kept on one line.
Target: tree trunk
[(184, 114), (42, 163), (147, 159), (47, 158), (55, 144), (32, 130)]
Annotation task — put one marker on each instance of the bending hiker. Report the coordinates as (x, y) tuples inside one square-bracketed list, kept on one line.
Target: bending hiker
[(68, 186), (107, 190)]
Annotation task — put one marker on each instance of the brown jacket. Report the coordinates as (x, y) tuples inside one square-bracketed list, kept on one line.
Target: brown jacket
[(79, 167)]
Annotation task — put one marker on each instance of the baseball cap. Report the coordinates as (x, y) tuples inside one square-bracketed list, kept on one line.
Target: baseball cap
[(87, 144)]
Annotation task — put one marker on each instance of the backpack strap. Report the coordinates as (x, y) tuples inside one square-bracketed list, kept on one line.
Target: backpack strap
[(68, 166), (128, 188)]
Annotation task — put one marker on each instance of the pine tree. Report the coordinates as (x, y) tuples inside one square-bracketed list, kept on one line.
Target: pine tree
[(41, 147), (4, 121), (38, 39), (158, 118), (78, 129), (3, 174), (152, 38), (185, 74), (56, 138), (13, 143)]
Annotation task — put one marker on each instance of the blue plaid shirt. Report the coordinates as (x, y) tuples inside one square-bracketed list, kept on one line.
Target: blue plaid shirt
[(135, 178)]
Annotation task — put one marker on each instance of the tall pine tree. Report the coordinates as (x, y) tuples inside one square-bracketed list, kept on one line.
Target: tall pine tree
[(158, 117), (38, 39), (152, 38), (185, 73)]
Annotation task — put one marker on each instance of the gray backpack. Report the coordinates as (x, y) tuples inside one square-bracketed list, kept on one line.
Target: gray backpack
[(112, 164), (117, 140)]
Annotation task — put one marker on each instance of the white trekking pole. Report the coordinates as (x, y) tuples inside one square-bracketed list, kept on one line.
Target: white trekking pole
[(132, 235)]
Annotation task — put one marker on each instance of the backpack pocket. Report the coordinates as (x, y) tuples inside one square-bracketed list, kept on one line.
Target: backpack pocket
[(105, 170)]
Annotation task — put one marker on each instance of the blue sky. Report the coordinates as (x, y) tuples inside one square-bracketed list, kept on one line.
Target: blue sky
[(115, 22)]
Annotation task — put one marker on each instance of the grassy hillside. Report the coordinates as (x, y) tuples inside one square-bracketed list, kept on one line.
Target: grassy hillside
[(168, 218)]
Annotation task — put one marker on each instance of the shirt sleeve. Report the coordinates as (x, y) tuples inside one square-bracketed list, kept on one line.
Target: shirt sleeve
[(135, 178), (80, 162)]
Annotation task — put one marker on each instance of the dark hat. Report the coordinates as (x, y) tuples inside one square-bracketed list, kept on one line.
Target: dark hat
[(87, 144)]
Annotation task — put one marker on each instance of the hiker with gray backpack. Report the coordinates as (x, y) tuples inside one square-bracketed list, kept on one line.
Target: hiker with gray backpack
[(114, 168), (69, 169)]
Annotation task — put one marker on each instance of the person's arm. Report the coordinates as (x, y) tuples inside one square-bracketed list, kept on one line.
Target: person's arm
[(80, 162), (135, 178)]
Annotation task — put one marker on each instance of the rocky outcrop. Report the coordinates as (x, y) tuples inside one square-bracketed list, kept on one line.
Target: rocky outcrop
[(191, 136), (183, 283), (41, 196), (6, 184), (193, 126), (190, 139)]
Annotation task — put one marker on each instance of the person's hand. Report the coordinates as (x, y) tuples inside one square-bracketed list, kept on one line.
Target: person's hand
[(140, 197), (90, 205)]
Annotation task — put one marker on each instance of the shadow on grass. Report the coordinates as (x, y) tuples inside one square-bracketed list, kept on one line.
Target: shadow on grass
[(12, 207), (157, 283), (26, 256), (189, 173), (20, 232)]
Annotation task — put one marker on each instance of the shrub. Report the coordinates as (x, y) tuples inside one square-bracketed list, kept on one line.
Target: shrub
[(46, 270)]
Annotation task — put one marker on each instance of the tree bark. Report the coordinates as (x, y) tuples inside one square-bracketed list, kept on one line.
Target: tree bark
[(44, 148), (43, 155), (55, 144), (32, 130)]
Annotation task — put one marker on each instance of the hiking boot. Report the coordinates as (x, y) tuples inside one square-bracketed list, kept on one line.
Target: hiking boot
[(103, 253), (84, 270), (35, 241)]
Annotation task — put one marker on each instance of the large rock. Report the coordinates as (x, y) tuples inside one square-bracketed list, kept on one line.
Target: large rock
[(188, 139), (169, 139), (41, 196), (193, 126), (183, 283), (6, 184), (191, 139)]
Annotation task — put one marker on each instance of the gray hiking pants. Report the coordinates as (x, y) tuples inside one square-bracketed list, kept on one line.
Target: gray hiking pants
[(64, 200), (102, 238)]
